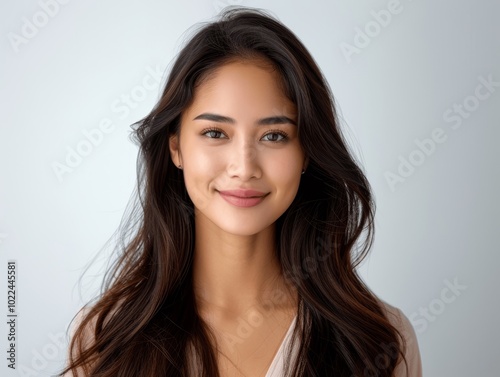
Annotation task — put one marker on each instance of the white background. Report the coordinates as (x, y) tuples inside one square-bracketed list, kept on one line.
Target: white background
[(435, 227)]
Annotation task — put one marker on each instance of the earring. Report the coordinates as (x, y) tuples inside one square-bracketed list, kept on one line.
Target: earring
[(303, 171), (179, 167)]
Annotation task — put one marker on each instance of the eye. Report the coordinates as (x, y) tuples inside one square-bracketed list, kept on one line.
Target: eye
[(214, 131), (283, 134)]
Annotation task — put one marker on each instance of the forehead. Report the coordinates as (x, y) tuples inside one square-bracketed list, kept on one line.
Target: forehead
[(245, 87)]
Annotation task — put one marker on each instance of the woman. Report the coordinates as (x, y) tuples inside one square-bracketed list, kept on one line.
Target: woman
[(249, 228)]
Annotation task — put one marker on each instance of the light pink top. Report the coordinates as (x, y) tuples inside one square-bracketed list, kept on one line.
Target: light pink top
[(395, 316), (277, 366)]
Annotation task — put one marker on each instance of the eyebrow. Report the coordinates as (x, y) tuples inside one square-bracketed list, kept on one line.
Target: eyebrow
[(281, 119)]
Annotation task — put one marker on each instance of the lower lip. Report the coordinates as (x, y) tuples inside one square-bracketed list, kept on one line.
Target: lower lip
[(242, 202)]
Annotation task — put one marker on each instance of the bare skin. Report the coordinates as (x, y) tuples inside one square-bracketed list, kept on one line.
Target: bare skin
[(240, 291)]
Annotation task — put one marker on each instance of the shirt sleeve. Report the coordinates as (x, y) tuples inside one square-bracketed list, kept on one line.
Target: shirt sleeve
[(412, 352), (88, 335)]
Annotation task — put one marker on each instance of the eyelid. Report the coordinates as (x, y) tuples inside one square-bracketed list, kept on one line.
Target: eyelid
[(272, 131)]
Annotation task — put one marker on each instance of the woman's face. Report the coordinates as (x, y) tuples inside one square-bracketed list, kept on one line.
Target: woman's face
[(239, 133)]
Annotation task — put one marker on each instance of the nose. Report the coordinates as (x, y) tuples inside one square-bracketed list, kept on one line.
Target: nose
[(243, 161)]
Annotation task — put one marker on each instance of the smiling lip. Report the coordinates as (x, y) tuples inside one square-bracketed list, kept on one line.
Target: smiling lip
[(243, 193), (243, 198)]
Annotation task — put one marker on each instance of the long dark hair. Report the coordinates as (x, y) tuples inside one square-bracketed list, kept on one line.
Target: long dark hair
[(145, 321)]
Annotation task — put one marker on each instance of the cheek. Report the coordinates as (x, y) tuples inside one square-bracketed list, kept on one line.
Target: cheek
[(199, 159), (200, 169), (202, 162), (285, 174), (286, 167)]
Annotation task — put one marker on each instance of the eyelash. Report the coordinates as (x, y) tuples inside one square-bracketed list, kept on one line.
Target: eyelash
[(279, 132)]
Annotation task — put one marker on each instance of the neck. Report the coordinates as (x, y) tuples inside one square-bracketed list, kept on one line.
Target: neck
[(233, 274)]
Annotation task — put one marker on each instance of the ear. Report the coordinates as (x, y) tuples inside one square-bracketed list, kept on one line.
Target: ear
[(173, 144), (306, 162)]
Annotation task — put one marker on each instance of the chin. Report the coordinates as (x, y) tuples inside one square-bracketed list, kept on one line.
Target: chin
[(243, 227)]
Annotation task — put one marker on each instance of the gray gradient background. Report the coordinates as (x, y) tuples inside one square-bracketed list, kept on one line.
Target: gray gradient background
[(438, 225)]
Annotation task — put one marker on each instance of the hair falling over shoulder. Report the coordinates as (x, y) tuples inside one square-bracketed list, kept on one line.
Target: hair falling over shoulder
[(145, 322)]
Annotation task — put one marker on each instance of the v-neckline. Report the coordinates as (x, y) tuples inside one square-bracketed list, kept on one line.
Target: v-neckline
[(277, 358)]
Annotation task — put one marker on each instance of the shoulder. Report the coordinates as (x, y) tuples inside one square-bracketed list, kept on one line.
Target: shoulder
[(412, 353), (86, 338), (84, 341)]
